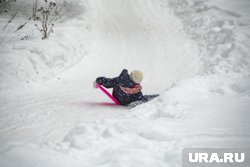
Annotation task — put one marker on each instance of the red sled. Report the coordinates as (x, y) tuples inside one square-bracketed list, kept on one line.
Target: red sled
[(108, 94)]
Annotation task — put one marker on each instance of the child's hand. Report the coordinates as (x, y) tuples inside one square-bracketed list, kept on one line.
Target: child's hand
[(94, 84)]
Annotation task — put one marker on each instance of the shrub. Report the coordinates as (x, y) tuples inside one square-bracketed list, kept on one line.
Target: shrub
[(44, 16), (47, 15)]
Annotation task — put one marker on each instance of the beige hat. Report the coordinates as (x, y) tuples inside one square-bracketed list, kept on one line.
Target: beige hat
[(136, 76)]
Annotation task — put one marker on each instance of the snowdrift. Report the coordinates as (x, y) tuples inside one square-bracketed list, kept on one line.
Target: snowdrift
[(26, 59)]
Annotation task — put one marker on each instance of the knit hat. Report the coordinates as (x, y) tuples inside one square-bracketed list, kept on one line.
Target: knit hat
[(136, 76)]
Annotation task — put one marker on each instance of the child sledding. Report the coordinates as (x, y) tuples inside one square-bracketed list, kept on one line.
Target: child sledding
[(126, 87)]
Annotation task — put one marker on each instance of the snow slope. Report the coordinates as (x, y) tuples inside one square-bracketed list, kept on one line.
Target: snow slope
[(195, 53), (32, 60)]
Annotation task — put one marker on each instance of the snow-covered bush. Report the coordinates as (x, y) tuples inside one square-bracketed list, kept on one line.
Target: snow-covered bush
[(45, 15), (4, 5)]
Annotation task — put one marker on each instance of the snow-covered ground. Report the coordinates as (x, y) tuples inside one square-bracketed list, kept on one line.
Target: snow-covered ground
[(194, 53)]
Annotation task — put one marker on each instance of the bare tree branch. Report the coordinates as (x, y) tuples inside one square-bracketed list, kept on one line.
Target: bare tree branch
[(13, 16)]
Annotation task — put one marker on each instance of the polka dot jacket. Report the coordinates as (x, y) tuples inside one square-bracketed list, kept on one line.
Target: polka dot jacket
[(122, 80)]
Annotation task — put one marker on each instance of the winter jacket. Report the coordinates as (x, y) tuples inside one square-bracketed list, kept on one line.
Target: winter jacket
[(122, 80)]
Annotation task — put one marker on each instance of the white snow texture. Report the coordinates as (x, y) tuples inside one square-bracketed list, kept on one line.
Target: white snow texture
[(194, 53)]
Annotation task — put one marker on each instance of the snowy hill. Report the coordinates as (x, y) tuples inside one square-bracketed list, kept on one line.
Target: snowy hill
[(195, 54)]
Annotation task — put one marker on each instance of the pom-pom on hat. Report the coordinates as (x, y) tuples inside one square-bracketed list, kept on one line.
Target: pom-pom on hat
[(136, 76)]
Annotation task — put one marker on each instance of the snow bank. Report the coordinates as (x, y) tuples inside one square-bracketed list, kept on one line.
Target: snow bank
[(25, 62), (223, 35)]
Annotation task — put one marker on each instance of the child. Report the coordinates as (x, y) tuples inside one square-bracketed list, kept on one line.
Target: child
[(126, 88)]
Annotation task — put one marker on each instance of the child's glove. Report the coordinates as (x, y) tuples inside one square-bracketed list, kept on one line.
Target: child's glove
[(95, 85), (99, 80)]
